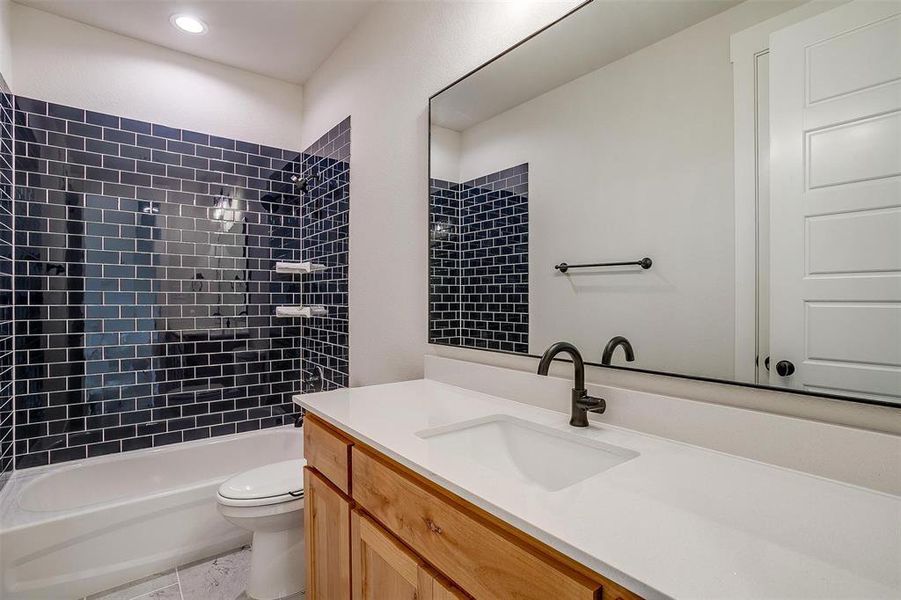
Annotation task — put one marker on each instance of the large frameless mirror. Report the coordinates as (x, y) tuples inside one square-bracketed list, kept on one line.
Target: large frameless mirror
[(702, 188)]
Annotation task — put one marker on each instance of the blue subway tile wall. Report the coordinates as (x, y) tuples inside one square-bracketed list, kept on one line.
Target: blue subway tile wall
[(444, 262), (494, 261), (325, 212), (145, 288), (6, 295), (479, 265)]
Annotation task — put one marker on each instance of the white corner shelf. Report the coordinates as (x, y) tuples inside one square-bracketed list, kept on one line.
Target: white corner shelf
[(298, 267), (301, 311)]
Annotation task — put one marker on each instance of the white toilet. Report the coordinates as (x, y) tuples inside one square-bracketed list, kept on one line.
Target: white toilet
[(269, 502)]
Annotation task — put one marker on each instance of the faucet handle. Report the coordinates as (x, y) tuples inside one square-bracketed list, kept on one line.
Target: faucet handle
[(592, 404), (599, 405)]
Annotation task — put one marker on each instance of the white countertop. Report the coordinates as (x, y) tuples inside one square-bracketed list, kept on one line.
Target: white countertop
[(678, 521)]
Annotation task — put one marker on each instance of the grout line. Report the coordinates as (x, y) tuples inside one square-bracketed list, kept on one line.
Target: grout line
[(146, 594), (150, 592), (178, 583)]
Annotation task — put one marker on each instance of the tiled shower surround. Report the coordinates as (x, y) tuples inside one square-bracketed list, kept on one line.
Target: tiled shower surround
[(6, 299), (145, 289), (479, 261), (324, 229)]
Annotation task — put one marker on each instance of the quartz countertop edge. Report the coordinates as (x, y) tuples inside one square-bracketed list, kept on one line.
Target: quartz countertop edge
[(753, 534)]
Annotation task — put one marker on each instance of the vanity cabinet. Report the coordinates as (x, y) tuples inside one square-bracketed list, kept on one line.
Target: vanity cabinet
[(328, 451), (382, 567), (383, 531), (327, 538)]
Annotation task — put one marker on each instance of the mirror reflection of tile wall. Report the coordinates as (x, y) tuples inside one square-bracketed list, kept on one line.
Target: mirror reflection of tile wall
[(479, 278)]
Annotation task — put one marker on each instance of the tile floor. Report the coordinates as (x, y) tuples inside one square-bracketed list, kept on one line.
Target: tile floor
[(220, 578)]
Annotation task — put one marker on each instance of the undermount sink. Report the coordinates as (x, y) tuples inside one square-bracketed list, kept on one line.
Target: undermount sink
[(543, 456)]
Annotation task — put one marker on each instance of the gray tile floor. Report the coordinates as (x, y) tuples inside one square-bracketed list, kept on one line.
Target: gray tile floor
[(220, 578)]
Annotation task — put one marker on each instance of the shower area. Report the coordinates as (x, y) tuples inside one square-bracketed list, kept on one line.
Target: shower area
[(161, 207), (139, 309), (144, 284)]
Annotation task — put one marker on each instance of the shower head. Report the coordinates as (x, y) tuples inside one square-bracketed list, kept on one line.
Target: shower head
[(301, 183)]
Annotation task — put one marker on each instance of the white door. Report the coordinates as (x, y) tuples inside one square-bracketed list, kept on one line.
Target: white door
[(835, 184), (762, 99)]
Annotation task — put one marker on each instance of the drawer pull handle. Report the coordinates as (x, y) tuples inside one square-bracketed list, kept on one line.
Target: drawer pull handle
[(432, 527)]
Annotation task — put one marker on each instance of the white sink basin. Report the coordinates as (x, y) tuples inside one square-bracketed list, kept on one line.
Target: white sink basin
[(546, 457)]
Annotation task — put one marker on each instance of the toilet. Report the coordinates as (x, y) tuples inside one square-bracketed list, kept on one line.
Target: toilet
[(269, 502)]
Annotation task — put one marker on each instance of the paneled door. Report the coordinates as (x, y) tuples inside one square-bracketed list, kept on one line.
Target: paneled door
[(327, 531), (384, 568), (835, 167)]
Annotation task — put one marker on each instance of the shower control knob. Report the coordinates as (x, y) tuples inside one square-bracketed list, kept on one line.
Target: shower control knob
[(785, 368)]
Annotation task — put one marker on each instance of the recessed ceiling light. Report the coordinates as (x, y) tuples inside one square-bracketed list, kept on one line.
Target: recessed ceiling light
[(188, 23)]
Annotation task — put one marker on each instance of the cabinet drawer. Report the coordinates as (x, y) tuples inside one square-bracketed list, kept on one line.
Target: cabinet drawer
[(327, 451), (475, 554)]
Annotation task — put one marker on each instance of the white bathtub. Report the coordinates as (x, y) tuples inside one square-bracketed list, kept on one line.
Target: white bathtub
[(75, 529)]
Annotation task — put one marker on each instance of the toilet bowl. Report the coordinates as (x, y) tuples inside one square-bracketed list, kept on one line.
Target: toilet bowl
[(269, 502)]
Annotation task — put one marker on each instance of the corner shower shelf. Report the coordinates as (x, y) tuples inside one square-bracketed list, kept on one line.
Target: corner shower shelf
[(300, 311), (298, 267)]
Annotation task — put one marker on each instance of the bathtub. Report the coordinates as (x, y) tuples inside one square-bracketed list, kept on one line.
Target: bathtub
[(75, 529)]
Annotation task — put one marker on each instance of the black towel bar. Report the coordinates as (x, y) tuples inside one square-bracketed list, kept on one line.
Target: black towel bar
[(644, 263)]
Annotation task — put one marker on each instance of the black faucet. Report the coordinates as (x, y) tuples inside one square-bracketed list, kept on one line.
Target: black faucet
[(611, 348), (581, 401)]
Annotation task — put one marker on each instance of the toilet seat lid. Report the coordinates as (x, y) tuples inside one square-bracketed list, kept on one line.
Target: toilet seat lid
[(277, 482)]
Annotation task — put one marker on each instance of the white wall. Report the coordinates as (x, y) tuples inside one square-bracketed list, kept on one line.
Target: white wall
[(6, 42), (632, 160), (382, 76), (67, 62), (444, 154)]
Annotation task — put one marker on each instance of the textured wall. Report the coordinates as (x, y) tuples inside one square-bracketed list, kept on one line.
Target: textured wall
[(145, 290)]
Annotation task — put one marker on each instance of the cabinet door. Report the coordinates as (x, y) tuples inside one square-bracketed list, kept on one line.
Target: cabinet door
[(384, 568), (327, 531)]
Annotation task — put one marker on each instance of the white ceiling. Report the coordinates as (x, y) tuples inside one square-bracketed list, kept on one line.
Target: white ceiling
[(595, 35), (285, 39)]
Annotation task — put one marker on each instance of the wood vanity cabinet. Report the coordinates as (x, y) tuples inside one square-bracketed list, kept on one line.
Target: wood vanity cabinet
[(380, 531), (382, 567), (327, 538), (328, 451)]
